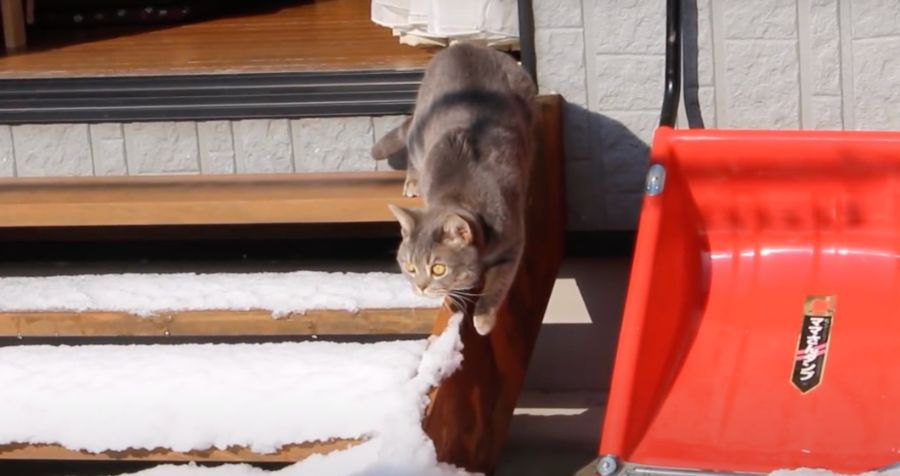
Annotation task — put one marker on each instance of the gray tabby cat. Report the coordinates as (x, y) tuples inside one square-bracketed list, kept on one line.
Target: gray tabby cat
[(469, 148)]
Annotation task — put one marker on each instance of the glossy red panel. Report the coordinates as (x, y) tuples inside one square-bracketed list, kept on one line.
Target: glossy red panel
[(750, 225)]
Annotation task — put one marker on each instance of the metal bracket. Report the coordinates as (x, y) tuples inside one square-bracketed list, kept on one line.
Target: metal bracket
[(656, 180)]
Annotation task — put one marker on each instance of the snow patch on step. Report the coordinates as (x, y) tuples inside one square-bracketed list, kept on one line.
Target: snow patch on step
[(149, 294), (261, 396)]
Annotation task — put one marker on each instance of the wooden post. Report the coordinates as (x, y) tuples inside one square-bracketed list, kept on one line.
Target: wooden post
[(13, 24), (471, 410)]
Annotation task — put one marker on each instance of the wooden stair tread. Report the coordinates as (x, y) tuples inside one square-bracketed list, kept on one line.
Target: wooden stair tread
[(467, 431), (208, 402), (287, 454), (340, 197), (403, 321)]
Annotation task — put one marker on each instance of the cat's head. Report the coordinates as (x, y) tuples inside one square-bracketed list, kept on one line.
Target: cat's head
[(439, 253)]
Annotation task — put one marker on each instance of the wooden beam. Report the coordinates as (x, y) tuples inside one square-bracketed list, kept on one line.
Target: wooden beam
[(470, 411), (323, 322), (339, 197), (287, 454)]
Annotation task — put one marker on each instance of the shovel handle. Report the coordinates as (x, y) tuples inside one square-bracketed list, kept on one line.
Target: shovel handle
[(673, 64)]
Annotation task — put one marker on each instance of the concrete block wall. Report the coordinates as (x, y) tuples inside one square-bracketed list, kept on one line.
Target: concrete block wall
[(807, 64), (187, 147)]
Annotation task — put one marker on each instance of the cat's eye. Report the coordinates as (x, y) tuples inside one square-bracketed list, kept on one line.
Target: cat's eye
[(410, 268), (438, 270)]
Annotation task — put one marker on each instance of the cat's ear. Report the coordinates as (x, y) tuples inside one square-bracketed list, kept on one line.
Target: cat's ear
[(457, 231), (407, 218)]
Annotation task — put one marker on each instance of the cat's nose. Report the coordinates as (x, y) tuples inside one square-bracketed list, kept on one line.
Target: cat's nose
[(420, 290)]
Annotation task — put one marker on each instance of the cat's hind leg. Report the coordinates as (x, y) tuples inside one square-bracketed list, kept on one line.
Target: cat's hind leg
[(392, 143), (411, 184)]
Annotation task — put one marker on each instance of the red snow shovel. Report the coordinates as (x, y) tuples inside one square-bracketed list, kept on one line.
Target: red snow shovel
[(761, 328)]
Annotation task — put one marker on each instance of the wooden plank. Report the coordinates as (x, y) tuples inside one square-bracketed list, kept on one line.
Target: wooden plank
[(287, 454), (407, 321), (470, 411), (201, 200), (269, 37)]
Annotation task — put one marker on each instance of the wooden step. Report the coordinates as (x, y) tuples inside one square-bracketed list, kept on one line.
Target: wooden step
[(216, 304), (340, 197), (469, 412), (287, 454), (207, 402), (323, 322)]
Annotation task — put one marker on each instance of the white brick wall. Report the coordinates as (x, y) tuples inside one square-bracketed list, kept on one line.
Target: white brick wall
[(186, 147), (52, 149), (762, 64), (7, 159), (108, 149), (263, 146), (162, 148), (333, 144), (216, 143)]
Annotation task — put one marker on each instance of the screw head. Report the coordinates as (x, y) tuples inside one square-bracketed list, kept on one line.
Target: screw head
[(656, 180), (607, 465)]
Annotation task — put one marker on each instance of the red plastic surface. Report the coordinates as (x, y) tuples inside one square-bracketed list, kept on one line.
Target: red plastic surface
[(749, 224)]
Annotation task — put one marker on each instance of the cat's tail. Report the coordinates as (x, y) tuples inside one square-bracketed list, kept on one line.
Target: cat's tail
[(393, 143)]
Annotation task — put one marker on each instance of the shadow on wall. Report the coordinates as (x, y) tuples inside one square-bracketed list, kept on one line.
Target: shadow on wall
[(607, 156), (606, 164)]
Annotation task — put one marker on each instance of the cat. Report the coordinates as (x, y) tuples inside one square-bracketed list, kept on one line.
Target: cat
[(469, 146)]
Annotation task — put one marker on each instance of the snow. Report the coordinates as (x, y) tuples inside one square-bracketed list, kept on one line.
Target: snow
[(261, 396), (399, 448), (148, 294), (195, 396)]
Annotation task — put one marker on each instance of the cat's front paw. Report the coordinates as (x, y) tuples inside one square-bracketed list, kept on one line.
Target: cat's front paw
[(411, 187), (484, 323)]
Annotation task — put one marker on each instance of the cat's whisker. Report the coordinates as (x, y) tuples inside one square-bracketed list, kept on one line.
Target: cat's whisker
[(448, 302), (467, 293), (460, 306), (460, 301), (465, 300), (463, 295)]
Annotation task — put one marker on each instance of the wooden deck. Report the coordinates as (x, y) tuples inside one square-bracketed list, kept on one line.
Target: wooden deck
[(280, 36), (201, 200)]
